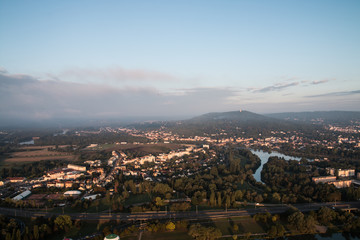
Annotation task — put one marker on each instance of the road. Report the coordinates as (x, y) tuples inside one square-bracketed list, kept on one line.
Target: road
[(193, 215)]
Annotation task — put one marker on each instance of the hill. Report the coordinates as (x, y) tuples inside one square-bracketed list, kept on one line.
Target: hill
[(235, 123), (238, 116)]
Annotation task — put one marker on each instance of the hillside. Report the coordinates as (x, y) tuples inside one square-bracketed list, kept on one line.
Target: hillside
[(235, 123)]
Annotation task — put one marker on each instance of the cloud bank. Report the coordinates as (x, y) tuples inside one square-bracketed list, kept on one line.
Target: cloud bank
[(25, 97), (116, 74)]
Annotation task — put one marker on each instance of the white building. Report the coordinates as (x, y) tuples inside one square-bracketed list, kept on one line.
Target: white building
[(76, 167), (324, 179), (112, 237), (346, 172), (72, 193), (22, 195)]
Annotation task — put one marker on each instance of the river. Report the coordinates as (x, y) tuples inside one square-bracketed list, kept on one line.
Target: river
[(30, 142), (264, 157)]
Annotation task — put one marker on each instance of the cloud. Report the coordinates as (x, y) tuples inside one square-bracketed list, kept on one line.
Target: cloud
[(276, 87), (335, 94), (116, 74), (319, 82), (26, 97), (3, 70), (286, 84)]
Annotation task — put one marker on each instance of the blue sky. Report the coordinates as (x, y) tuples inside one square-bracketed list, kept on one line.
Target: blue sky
[(177, 58)]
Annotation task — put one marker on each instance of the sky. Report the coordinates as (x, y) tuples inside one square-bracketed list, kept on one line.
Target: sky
[(114, 59)]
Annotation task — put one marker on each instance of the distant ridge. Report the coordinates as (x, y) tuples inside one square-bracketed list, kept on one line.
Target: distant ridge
[(241, 116), (329, 117)]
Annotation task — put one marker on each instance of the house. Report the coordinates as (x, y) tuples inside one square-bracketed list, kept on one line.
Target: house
[(346, 172), (59, 184), (50, 184), (15, 179), (3, 182), (341, 183), (76, 167), (324, 179)]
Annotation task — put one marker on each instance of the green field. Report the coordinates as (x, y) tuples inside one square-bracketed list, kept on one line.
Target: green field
[(139, 198)]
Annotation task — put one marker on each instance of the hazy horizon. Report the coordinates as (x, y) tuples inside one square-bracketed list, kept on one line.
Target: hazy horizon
[(150, 59)]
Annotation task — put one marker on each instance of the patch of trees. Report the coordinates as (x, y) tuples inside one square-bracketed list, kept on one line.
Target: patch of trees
[(40, 228), (200, 232), (35, 169), (86, 139), (289, 182), (342, 151)]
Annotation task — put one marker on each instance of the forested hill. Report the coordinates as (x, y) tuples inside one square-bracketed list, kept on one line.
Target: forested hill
[(236, 123), (326, 117), (234, 116)]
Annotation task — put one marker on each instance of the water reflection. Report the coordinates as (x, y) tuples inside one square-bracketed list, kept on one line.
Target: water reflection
[(264, 157)]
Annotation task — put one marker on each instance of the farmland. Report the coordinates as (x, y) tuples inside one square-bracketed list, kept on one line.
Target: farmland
[(34, 154)]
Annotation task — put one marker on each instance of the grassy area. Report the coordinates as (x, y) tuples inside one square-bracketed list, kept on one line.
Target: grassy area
[(248, 225), (245, 224), (32, 154), (138, 198)]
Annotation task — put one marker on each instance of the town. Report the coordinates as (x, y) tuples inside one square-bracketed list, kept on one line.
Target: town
[(161, 171)]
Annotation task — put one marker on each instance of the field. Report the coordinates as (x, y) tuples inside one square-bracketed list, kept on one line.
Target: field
[(34, 154)]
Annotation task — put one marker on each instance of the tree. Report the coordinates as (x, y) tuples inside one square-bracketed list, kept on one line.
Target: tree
[(326, 215), (159, 202), (235, 228), (214, 171), (170, 226), (259, 198), (18, 235), (272, 231), (63, 222), (219, 200), (212, 199), (276, 197), (36, 232), (204, 233), (162, 188), (310, 224), (8, 236), (297, 221)]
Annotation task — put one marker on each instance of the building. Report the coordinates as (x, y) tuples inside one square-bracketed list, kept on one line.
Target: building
[(324, 179), (92, 197), (346, 172), (331, 171), (342, 183), (16, 179), (59, 184), (76, 167), (22, 195), (72, 193), (3, 182)]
